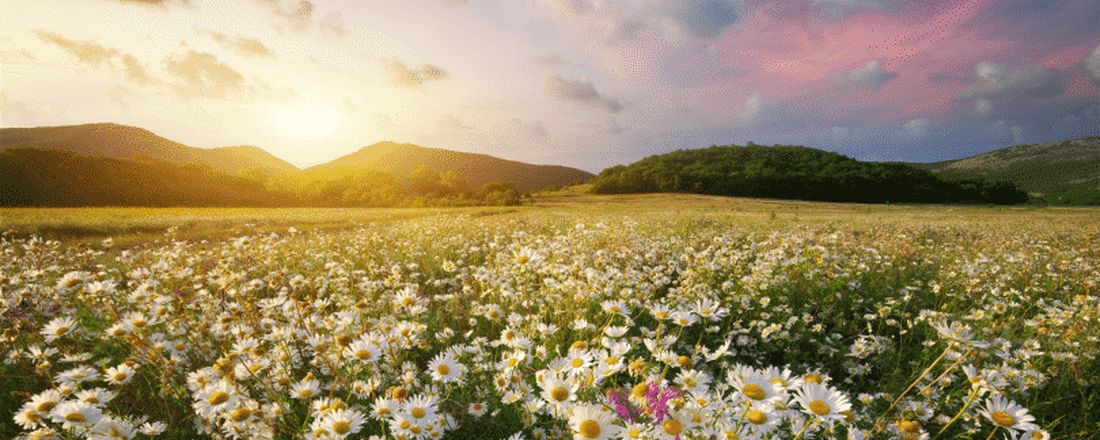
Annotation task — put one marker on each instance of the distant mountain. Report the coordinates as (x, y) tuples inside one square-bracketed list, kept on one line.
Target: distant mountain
[(1066, 172), (795, 172), (402, 159), (122, 141)]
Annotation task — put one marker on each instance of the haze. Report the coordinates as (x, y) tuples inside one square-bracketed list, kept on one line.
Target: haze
[(574, 82)]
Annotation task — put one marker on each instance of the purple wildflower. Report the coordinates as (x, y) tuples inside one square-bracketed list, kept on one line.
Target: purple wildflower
[(658, 400), (622, 406)]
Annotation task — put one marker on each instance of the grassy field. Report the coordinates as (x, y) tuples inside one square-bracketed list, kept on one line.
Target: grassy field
[(573, 316)]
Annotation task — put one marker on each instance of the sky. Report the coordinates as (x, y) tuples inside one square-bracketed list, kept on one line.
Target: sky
[(584, 83)]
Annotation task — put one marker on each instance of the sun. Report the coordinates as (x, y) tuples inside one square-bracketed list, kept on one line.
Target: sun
[(305, 122)]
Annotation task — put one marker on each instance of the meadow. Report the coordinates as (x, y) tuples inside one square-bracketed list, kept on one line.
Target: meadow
[(573, 316)]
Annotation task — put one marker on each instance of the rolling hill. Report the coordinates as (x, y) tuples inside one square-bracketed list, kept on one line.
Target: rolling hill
[(122, 141), (402, 159), (795, 172), (1066, 172), (37, 177)]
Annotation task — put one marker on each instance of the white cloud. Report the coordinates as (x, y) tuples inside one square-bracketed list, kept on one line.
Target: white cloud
[(580, 91), (624, 19), (994, 80), (1092, 66), (758, 111), (917, 128), (870, 76), (841, 8)]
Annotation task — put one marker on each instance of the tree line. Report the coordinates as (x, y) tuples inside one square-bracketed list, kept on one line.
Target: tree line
[(794, 172)]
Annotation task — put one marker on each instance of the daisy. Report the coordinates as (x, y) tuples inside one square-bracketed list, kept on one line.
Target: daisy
[(58, 327), (477, 409), (556, 391), (445, 369), (76, 414), (421, 409), (761, 418), (305, 389), (343, 422), (119, 375), (823, 402), (591, 422), (752, 385), (363, 351), (1007, 414), (215, 396)]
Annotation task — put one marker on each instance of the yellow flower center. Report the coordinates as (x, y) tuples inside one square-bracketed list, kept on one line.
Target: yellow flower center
[(443, 369), (1003, 418), (218, 398), (908, 426), (61, 330), (589, 429), (812, 378), (690, 382), (640, 390), (756, 417), (75, 417), (672, 426), (341, 427), (45, 406), (239, 414), (418, 412), (363, 354), (576, 362), (818, 407), (778, 381), (559, 394), (753, 391)]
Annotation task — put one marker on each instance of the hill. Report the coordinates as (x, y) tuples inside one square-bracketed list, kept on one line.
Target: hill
[(794, 172), (402, 160), (1066, 172), (31, 177), (122, 141)]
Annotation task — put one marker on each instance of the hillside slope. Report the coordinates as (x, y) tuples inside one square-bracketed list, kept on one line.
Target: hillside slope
[(122, 141), (1066, 172), (402, 159), (30, 177)]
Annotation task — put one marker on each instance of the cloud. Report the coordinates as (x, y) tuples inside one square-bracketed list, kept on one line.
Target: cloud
[(1092, 66), (405, 76), (298, 12), (870, 76), (917, 128), (757, 111), (992, 80), (153, 2), (201, 74), (840, 8), (549, 60), (455, 123), (249, 47), (100, 56), (581, 92), (87, 52), (626, 19)]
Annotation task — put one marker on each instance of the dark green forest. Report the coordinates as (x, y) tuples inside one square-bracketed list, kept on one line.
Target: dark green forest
[(31, 177), (792, 172)]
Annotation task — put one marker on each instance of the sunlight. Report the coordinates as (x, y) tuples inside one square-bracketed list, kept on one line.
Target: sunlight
[(305, 122)]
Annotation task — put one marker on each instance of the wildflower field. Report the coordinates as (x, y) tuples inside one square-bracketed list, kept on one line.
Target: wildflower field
[(648, 317)]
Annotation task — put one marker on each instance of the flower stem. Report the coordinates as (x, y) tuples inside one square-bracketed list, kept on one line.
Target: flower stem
[(878, 424)]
